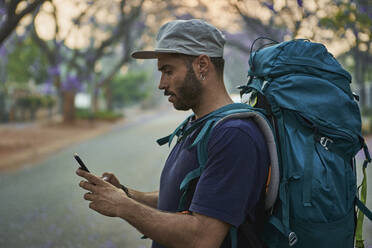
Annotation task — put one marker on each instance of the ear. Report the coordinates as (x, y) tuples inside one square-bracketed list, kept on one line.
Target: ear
[(203, 64)]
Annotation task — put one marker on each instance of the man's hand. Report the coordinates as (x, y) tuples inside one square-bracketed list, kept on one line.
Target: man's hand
[(147, 198), (105, 198), (170, 229), (111, 178)]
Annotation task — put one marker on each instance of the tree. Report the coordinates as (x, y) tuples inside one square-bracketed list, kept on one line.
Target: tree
[(27, 62), (114, 37), (11, 13), (129, 88), (278, 20), (352, 21)]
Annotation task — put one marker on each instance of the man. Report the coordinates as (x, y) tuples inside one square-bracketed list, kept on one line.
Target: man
[(231, 188)]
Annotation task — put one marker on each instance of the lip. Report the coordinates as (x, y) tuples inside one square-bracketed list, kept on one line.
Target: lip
[(171, 98)]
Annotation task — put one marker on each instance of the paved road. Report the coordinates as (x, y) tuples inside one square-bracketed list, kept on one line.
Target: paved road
[(42, 206)]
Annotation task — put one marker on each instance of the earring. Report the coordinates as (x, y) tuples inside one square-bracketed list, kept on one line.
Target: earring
[(202, 77)]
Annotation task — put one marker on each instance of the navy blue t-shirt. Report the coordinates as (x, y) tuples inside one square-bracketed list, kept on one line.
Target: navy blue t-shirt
[(230, 187)]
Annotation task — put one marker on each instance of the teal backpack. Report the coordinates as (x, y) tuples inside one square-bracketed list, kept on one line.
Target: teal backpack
[(311, 121)]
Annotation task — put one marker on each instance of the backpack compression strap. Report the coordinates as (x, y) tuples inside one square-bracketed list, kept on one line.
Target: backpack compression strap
[(283, 224), (362, 201)]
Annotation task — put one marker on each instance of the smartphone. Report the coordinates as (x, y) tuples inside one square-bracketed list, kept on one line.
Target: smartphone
[(81, 163)]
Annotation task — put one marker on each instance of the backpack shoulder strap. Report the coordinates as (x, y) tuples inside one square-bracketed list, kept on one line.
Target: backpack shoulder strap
[(202, 139), (264, 125), (168, 139), (181, 129)]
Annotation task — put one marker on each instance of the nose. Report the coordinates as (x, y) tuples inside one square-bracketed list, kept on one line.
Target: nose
[(162, 84)]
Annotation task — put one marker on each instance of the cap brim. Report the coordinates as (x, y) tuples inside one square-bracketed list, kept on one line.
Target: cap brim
[(145, 55), (152, 54)]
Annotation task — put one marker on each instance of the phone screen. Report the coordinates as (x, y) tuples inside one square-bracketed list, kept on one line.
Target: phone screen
[(81, 163)]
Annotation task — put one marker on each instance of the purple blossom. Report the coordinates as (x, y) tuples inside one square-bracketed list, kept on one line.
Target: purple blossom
[(139, 25), (48, 87), (71, 83), (92, 20), (3, 52), (59, 44), (270, 6), (54, 71), (300, 3), (363, 9), (2, 12)]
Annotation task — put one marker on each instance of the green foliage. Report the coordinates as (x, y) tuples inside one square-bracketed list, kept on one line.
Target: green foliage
[(87, 114), (366, 120), (348, 16), (48, 101), (35, 102), (129, 88), (30, 102), (27, 62)]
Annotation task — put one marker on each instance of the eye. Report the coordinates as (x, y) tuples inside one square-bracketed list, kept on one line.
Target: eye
[(168, 73)]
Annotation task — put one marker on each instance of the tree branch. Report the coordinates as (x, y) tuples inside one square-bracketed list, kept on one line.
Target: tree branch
[(13, 19)]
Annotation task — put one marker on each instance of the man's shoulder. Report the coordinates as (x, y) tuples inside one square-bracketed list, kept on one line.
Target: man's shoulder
[(247, 126), (242, 132)]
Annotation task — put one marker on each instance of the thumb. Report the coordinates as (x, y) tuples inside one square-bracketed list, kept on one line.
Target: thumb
[(106, 176)]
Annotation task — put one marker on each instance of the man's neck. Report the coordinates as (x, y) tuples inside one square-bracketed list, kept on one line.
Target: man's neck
[(211, 103)]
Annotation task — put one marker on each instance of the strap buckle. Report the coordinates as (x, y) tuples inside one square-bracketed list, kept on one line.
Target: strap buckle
[(324, 142), (292, 239)]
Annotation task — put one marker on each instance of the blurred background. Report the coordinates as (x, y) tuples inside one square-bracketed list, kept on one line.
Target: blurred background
[(68, 84)]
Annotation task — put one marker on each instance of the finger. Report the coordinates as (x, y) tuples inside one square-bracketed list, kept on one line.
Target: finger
[(89, 196), (107, 174), (92, 205), (88, 186), (90, 177)]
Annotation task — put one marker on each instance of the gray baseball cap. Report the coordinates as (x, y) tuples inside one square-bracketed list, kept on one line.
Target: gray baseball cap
[(191, 37)]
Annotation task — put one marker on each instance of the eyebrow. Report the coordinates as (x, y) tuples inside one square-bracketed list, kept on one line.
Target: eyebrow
[(162, 68)]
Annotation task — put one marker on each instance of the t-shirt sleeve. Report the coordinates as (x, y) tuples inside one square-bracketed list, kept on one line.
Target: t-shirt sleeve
[(231, 183)]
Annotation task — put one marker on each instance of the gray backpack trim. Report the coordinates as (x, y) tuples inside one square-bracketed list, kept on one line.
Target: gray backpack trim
[(272, 188)]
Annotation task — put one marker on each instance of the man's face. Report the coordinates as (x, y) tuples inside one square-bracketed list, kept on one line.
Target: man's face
[(179, 82)]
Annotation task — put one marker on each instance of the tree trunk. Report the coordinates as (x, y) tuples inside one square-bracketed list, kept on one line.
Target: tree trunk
[(69, 106), (358, 76), (109, 104), (95, 99)]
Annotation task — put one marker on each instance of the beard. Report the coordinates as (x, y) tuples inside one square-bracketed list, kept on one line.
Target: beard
[(188, 94)]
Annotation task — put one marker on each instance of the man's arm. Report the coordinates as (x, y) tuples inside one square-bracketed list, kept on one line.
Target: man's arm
[(169, 229), (148, 198), (174, 230)]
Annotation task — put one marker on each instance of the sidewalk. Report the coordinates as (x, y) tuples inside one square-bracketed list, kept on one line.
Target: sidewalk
[(24, 144)]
